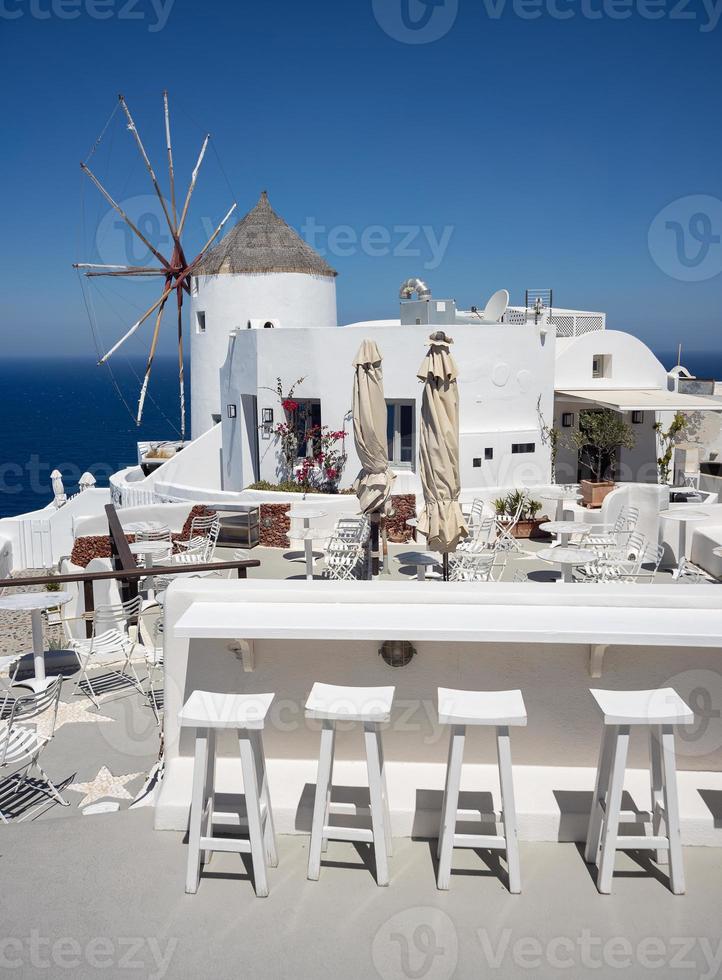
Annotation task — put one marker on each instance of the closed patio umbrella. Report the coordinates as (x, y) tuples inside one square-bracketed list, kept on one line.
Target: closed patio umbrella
[(441, 521), (373, 484)]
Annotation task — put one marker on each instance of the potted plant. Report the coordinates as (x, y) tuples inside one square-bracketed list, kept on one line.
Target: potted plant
[(667, 440), (598, 438), (528, 523)]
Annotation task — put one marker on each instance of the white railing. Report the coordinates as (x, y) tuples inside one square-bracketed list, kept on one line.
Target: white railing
[(568, 323)]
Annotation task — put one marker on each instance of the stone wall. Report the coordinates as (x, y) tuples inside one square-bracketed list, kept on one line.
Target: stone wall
[(275, 525), (403, 506)]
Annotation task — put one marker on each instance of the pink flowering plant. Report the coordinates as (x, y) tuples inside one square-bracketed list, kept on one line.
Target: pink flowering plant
[(322, 467)]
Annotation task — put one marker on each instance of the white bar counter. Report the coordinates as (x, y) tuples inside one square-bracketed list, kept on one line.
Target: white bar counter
[(548, 640)]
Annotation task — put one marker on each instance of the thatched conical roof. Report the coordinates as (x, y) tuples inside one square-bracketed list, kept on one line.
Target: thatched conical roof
[(262, 242)]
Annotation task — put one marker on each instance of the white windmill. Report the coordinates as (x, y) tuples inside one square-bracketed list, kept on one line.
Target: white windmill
[(175, 271)]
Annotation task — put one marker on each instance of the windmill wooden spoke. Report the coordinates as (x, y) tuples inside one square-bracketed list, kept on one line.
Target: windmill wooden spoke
[(194, 178), (124, 216), (151, 355), (169, 147), (149, 166), (93, 269), (136, 325)]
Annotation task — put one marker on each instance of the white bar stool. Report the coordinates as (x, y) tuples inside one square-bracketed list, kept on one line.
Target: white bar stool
[(372, 707), (459, 709), (208, 712), (659, 711)]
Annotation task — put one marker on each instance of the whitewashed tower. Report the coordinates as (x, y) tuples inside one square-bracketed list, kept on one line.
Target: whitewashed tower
[(261, 275)]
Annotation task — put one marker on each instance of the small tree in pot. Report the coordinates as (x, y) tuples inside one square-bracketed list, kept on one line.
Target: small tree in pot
[(598, 438)]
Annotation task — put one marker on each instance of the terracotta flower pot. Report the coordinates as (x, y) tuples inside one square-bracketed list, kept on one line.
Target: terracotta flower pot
[(593, 494)]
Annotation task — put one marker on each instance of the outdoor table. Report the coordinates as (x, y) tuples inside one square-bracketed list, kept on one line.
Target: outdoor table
[(299, 513), (35, 603), (137, 526), (563, 530), (413, 523), (422, 559), (560, 495), (567, 558), (149, 550), (683, 517), (308, 536)]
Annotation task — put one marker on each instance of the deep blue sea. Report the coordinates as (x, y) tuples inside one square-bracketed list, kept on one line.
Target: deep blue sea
[(68, 414)]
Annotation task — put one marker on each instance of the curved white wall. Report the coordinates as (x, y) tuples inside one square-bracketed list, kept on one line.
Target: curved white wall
[(291, 299)]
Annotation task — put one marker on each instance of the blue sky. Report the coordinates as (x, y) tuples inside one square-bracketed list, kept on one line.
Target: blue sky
[(531, 151)]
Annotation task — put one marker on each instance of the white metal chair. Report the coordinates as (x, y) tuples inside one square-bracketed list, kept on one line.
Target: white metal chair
[(8, 662), (688, 574), (111, 643), (344, 559), (602, 537), (203, 526), (658, 711), (150, 634), (21, 744), (500, 710), (505, 525), (479, 565)]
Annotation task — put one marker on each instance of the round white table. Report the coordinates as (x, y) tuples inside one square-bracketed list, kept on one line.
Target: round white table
[(308, 536), (567, 558), (301, 513), (150, 550), (683, 517), (422, 559), (560, 495), (563, 530), (35, 603), (137, 526)]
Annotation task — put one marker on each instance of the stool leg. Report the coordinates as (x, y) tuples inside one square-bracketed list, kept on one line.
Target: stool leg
[(378, 822), (385, 793), (323, 780), (209, 792), (253, 812), (503, 747), (451, 805), (671, 811), (269, 831), (610, 824), (657, 785), (194, 826), (443, 798), (329, 787), (601, 788)]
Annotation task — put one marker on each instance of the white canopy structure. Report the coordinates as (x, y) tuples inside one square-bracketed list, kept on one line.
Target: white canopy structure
[(642, 399)]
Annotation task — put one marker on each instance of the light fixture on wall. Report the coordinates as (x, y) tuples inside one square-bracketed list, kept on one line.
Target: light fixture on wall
[(397, 653), (567, 419), (267, 416), (637, 417), (232, 411)]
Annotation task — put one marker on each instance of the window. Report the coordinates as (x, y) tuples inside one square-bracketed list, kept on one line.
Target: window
[(637, 417), (523, 447), (567, 420), (400, 433), (308, 416), (602, 366), (200, 322), (488, 453), (476, 462)]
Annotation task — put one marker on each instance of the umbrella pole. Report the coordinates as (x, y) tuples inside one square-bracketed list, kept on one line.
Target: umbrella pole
[(375, 544), (445, 565)]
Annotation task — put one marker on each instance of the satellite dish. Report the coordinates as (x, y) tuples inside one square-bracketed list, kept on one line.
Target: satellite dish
[(496, 307)]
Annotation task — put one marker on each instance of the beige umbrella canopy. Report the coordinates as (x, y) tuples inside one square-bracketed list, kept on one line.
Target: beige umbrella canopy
[(373, 484), (441, 521)]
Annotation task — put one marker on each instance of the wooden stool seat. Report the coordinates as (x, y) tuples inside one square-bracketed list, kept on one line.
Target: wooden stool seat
[(371, 706), (499, 709), (658, 710), (208, 712)]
